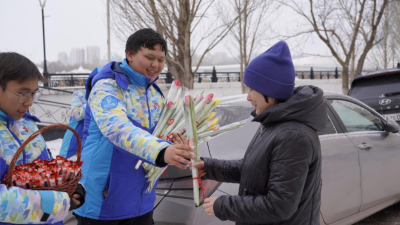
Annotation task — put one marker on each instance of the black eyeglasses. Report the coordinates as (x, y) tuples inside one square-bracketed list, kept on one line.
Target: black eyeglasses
[(22, 98)]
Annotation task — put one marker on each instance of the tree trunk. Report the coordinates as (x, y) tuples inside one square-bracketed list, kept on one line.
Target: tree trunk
[(185, 76), (244, 88), (352, 73), (242, 43), (345, 79)]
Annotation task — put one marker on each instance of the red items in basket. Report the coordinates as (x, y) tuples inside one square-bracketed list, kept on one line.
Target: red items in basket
[(44, 173)]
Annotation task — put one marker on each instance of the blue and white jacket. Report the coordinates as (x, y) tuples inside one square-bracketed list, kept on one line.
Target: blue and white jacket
[(70, 142), (124, 108), (17, 205)]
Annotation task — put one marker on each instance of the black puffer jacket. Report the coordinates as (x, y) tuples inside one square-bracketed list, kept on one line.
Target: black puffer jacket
[(280, 174)]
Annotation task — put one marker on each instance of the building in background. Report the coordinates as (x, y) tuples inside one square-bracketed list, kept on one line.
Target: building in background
[(116, 57), (93, 55), (78, 56), (63, 58)]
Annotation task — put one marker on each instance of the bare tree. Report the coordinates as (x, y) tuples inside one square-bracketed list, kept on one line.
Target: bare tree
[(395, 45), (384, 54), (251, 24), (344, 26), (177, 21)]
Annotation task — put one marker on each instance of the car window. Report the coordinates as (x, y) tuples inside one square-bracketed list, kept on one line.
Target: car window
[(373, 87), (329, 128), (232, 111), (356, 118)]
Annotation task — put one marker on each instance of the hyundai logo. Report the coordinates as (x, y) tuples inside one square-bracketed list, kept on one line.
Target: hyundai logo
[(385, 102)]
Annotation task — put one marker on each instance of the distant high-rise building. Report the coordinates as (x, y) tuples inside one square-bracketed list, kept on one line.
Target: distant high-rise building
[(220, 58), (78, 56), (93, 55), (63, 58), (116, 57)]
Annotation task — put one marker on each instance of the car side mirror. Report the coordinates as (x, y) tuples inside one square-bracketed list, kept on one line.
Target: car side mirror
[(391, 126)]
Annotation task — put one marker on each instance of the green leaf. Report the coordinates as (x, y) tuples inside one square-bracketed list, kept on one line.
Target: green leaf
[(193, 125)]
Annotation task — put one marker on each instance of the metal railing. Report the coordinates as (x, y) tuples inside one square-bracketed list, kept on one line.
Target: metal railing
[(67, 80), (318, 74), (78, 79), (51, 112)]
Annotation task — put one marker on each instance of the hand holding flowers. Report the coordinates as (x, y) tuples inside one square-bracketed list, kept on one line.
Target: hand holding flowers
[(178, 154), (190, 116)]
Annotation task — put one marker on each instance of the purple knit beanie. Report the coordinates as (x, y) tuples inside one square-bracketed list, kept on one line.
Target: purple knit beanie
[(272, 73)]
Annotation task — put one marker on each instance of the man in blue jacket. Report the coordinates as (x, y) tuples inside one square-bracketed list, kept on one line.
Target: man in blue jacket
[(123, 107), (78, 106), (18, 89)]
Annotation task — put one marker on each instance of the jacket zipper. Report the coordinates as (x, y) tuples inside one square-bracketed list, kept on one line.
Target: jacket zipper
[(148, 109)]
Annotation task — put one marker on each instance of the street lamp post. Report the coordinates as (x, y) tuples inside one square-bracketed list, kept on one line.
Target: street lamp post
[(45, 73), (108, 32)]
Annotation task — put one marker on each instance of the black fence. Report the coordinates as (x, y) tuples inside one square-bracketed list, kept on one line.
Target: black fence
[(311, 74), (68, 80), (51, 112), (78, 79)]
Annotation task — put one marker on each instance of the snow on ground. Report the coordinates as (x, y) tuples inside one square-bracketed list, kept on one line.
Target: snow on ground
[(55, 146)]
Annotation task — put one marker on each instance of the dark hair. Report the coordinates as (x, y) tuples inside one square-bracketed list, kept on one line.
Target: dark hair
[(146, 38), (14, 66), (278, 101)]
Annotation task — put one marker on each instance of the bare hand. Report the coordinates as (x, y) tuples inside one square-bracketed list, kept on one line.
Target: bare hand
[(76, 199), (200, 166), (209, 205), (177, 154), (178, 138)]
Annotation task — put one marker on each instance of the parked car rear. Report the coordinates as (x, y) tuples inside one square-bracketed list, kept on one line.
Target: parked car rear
[(380, 90)]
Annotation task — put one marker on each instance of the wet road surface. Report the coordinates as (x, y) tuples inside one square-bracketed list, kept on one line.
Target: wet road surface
[(388, 216)]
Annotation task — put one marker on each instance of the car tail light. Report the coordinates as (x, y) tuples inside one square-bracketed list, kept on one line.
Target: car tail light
[(183, 188)]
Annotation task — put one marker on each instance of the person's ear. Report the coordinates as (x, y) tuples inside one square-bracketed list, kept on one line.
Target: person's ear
[(128, 56), (275, 101)]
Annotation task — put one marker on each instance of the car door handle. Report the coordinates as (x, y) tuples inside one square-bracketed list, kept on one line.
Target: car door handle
[(364, 146)]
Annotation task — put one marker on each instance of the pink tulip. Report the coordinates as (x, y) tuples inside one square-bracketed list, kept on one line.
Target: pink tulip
[(208, 98), (187, 99), (170, 104), (177, 83)]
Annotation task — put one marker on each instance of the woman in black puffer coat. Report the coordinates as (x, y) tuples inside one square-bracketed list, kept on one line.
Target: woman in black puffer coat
[(280, 174)]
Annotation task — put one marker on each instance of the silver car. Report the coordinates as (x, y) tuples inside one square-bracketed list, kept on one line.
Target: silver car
[(360, 164)]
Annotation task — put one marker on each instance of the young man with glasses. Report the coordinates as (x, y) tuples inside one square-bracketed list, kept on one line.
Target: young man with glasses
[(18, 89)]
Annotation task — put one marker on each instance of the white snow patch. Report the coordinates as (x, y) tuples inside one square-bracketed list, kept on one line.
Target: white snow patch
[(55, 146)]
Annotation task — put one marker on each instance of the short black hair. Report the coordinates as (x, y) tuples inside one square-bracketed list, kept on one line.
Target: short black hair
[(14, 66), (278, 101), (146, 38)]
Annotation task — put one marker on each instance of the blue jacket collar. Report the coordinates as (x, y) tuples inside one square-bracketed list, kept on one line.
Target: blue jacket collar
[(32, 117), (8, 119), (114, 70), (3, 116), (135, 77)]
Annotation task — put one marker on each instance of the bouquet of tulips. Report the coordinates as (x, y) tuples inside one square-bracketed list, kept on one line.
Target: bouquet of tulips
[(191, 134), (174, 118)]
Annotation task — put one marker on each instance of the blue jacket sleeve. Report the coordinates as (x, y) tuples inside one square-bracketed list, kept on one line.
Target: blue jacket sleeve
[(20, 206), (109, 113), (78, 105)]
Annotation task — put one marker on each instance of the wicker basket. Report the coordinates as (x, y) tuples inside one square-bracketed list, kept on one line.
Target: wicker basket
[(69, 186)]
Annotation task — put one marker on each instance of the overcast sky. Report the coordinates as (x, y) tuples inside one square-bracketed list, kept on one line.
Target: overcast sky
[(68, 24), (78, 24)]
